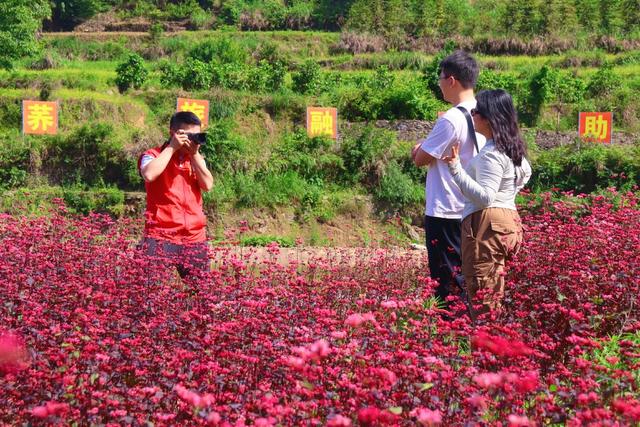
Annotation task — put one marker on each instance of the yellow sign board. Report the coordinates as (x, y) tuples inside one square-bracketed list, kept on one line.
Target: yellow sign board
[(595, 127), (199, 107), (39, 117), (322, 121)]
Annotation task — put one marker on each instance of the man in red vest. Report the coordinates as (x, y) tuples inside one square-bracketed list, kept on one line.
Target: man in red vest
[(175, 175)]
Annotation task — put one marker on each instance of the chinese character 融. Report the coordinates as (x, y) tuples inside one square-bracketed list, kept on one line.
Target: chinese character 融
[(321, 123)]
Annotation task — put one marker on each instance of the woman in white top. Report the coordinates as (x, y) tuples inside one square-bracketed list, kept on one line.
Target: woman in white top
[(491, 227)]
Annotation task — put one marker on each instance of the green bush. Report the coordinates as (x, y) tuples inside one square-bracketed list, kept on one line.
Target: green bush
[(20, 21), (604, 82), (310, 158), (223, 149), (171, 74), (90, 156), (196, 75), (587, 168), (397, 191), (182, 10), (223, 50), (265, 240), (364, 152), (14, 162), (550, 86), (102, 200), (131, 73), (308, 77)]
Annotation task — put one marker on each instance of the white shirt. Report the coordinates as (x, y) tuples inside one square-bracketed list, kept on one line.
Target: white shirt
[(443, 197), (490, 180), (146, 159)]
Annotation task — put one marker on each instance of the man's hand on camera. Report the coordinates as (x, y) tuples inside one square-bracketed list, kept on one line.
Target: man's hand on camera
[(191, 147), (179, 140)]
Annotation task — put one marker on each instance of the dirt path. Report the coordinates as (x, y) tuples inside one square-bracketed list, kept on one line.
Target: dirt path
[(308, 255)]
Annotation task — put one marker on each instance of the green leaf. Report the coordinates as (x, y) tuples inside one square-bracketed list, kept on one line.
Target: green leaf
[(425, 386), (396, 410), (307, 385), (553, 388), (93, 377)]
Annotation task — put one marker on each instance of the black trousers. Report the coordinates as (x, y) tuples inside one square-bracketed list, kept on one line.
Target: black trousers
[(443, 247), (191, 260)]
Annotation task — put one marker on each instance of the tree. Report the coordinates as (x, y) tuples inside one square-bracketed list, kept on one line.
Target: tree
[(131, 73), (631, 10), (523, 18), (331, 14), (588, 12), (560, 17), (66, 14), (20, 21), (611, 15)]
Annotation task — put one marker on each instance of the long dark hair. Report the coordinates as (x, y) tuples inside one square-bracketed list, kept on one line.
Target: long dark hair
[(497, 107)]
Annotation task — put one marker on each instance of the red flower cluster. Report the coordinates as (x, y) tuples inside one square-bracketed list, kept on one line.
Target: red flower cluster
[(96, 334)]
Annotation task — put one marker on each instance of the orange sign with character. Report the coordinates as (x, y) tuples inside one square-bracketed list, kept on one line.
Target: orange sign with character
[(199, 107), (322, 121), (595, 127), (39, 117)]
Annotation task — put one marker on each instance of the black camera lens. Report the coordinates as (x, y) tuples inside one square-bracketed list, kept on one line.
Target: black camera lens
[(198, 138)]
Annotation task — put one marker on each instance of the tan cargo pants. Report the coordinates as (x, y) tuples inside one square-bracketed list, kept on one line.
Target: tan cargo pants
[(489, 238)]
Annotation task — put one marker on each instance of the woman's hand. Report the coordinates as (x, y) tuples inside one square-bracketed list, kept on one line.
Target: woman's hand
[(453, 158)]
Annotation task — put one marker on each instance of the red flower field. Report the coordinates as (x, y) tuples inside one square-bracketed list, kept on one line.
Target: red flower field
[(91, 333)]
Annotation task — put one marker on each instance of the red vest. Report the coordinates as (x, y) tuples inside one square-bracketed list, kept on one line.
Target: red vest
[(174, 203)]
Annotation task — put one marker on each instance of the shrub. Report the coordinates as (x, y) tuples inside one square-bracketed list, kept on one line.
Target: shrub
[(171, 74), (359, 104), (19, 24), (131, 73), (365, 151), (310, 158), (199, 19), (548, 86), (224, 50), (603, 82), (156, 31), (183, 9), (397, 191), (283, 242), (308, 78), (223, 149), (586, 168), (196, 75), (90, 156), (14, 162), (102, 200)]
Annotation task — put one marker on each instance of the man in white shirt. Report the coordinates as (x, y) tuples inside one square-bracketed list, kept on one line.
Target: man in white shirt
[(444, 201)]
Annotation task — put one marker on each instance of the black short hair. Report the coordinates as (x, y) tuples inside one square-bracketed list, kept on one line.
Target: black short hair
[(462, 66), (184, 118)]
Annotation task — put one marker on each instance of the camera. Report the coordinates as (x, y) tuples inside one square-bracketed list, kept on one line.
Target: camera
[(197, 138)]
